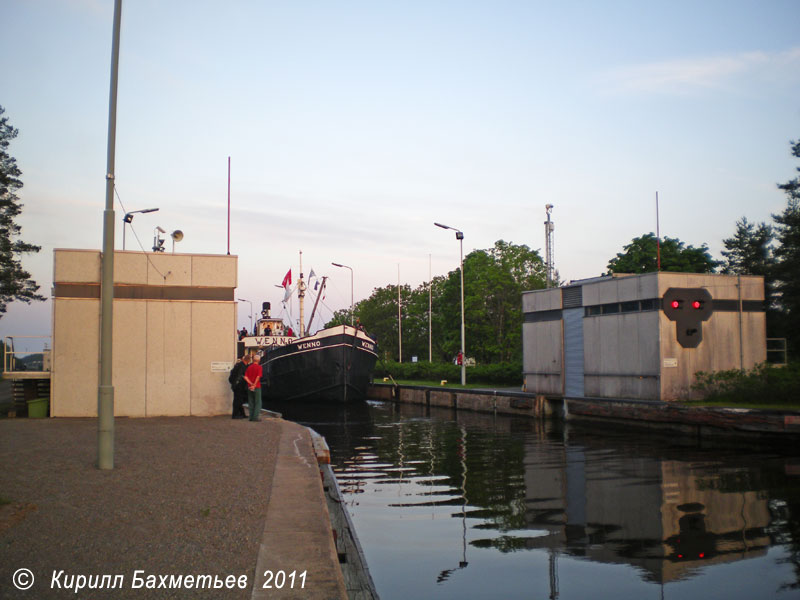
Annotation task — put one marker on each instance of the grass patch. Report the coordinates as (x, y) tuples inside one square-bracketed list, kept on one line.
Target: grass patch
[(764, 386), (4, 500), (733, 404), (431, 373)]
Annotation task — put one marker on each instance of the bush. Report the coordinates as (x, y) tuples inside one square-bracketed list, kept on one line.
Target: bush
[(764, 384), (499, 373)]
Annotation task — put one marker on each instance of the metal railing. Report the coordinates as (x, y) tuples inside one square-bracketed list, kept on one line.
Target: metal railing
[(776, 351), (27, 360)]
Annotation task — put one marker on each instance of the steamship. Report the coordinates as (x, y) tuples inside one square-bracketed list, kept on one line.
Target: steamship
[(332, 365)]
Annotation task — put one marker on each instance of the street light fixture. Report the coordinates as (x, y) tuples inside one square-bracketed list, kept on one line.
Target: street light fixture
[(128, 218), (252, 326), (352, 305), (460, 238)]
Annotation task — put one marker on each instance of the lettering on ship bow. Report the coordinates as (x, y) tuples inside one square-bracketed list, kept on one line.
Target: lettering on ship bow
[(262, 341), (308, 345)]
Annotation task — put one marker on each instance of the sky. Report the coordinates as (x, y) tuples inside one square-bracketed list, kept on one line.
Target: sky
[(353, 126)]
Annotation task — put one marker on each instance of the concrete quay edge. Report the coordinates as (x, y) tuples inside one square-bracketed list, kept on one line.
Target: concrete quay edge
[(297, 530), (702, 421)]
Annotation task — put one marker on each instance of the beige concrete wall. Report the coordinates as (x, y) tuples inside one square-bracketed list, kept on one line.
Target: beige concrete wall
[(207, 346), (130, 358), (163, 349), (74, 375), (721, 348)]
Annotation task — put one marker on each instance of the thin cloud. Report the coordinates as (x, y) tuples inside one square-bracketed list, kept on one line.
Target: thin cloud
[(689, 75)]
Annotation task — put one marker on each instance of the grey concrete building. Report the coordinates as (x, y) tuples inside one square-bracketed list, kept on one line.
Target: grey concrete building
[(640, 336)]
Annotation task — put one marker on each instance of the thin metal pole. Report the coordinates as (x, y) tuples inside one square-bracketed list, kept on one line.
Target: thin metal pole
[(229, 205), (105, 391), (463, 353), (352, 305), (658, 238), (430, 312), (741, 333), (399, 320), (301, 294)]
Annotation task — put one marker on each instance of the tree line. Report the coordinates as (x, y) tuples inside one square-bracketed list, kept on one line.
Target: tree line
[(494, 280)]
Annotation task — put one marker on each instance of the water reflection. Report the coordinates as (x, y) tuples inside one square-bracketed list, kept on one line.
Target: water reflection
[(467, 505)]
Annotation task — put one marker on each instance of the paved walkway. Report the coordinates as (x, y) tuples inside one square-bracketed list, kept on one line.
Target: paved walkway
[(188, 497)]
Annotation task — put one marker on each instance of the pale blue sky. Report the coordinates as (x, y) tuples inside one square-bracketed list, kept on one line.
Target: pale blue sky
[(353, 126)]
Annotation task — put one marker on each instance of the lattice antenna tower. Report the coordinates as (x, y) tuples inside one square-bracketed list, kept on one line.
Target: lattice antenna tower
[(549, 226)]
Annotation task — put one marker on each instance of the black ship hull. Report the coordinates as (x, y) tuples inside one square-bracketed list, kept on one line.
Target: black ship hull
[(334, 365)]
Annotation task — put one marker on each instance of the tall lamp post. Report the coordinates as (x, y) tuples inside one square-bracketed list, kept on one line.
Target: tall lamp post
[(460, 238), (105, 388), (352, 305), (251, 313), (128, 218)]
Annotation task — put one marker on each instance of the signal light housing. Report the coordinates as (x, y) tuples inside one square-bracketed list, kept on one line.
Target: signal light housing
[(688, 323)]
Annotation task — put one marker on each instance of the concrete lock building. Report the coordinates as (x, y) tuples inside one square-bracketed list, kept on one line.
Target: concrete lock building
[(640, 336), (174, 335)]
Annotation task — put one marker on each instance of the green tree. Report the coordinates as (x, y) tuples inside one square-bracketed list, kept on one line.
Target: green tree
[(494, 280), (641, 256), (15, 282), (749, 252), (787, 257), (378, 314)]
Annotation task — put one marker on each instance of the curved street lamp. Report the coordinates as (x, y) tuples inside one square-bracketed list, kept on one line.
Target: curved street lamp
[(128, 218), (252, 326), (460, 238), (352, 305)]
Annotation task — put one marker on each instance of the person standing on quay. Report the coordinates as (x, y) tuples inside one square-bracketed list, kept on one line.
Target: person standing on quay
[(239, 386), (253, 378)]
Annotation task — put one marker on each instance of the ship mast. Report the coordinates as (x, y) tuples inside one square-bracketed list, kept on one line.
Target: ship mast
[(316, 302), (301, 294)]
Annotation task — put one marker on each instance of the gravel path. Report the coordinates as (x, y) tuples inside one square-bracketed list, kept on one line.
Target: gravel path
[(186, 497)]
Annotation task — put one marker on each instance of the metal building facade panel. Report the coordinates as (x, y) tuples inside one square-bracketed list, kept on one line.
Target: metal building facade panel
[(573, 353)]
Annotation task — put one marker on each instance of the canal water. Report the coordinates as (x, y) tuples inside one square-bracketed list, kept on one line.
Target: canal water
[(464, 505)]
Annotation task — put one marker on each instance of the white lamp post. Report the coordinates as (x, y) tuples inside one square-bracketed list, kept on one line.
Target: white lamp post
[(352, 305), (460, 238), (251, 312)]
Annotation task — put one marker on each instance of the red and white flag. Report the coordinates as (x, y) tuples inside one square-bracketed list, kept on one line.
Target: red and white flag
[(287, 280)]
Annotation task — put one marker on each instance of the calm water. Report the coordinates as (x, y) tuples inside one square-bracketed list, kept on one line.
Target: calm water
[(463, 505)]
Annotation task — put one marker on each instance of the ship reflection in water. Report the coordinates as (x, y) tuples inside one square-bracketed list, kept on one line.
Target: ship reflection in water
[(464, 505)]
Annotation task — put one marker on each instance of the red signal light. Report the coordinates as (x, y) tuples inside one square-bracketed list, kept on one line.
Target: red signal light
[(696, 304), (676, 304)]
